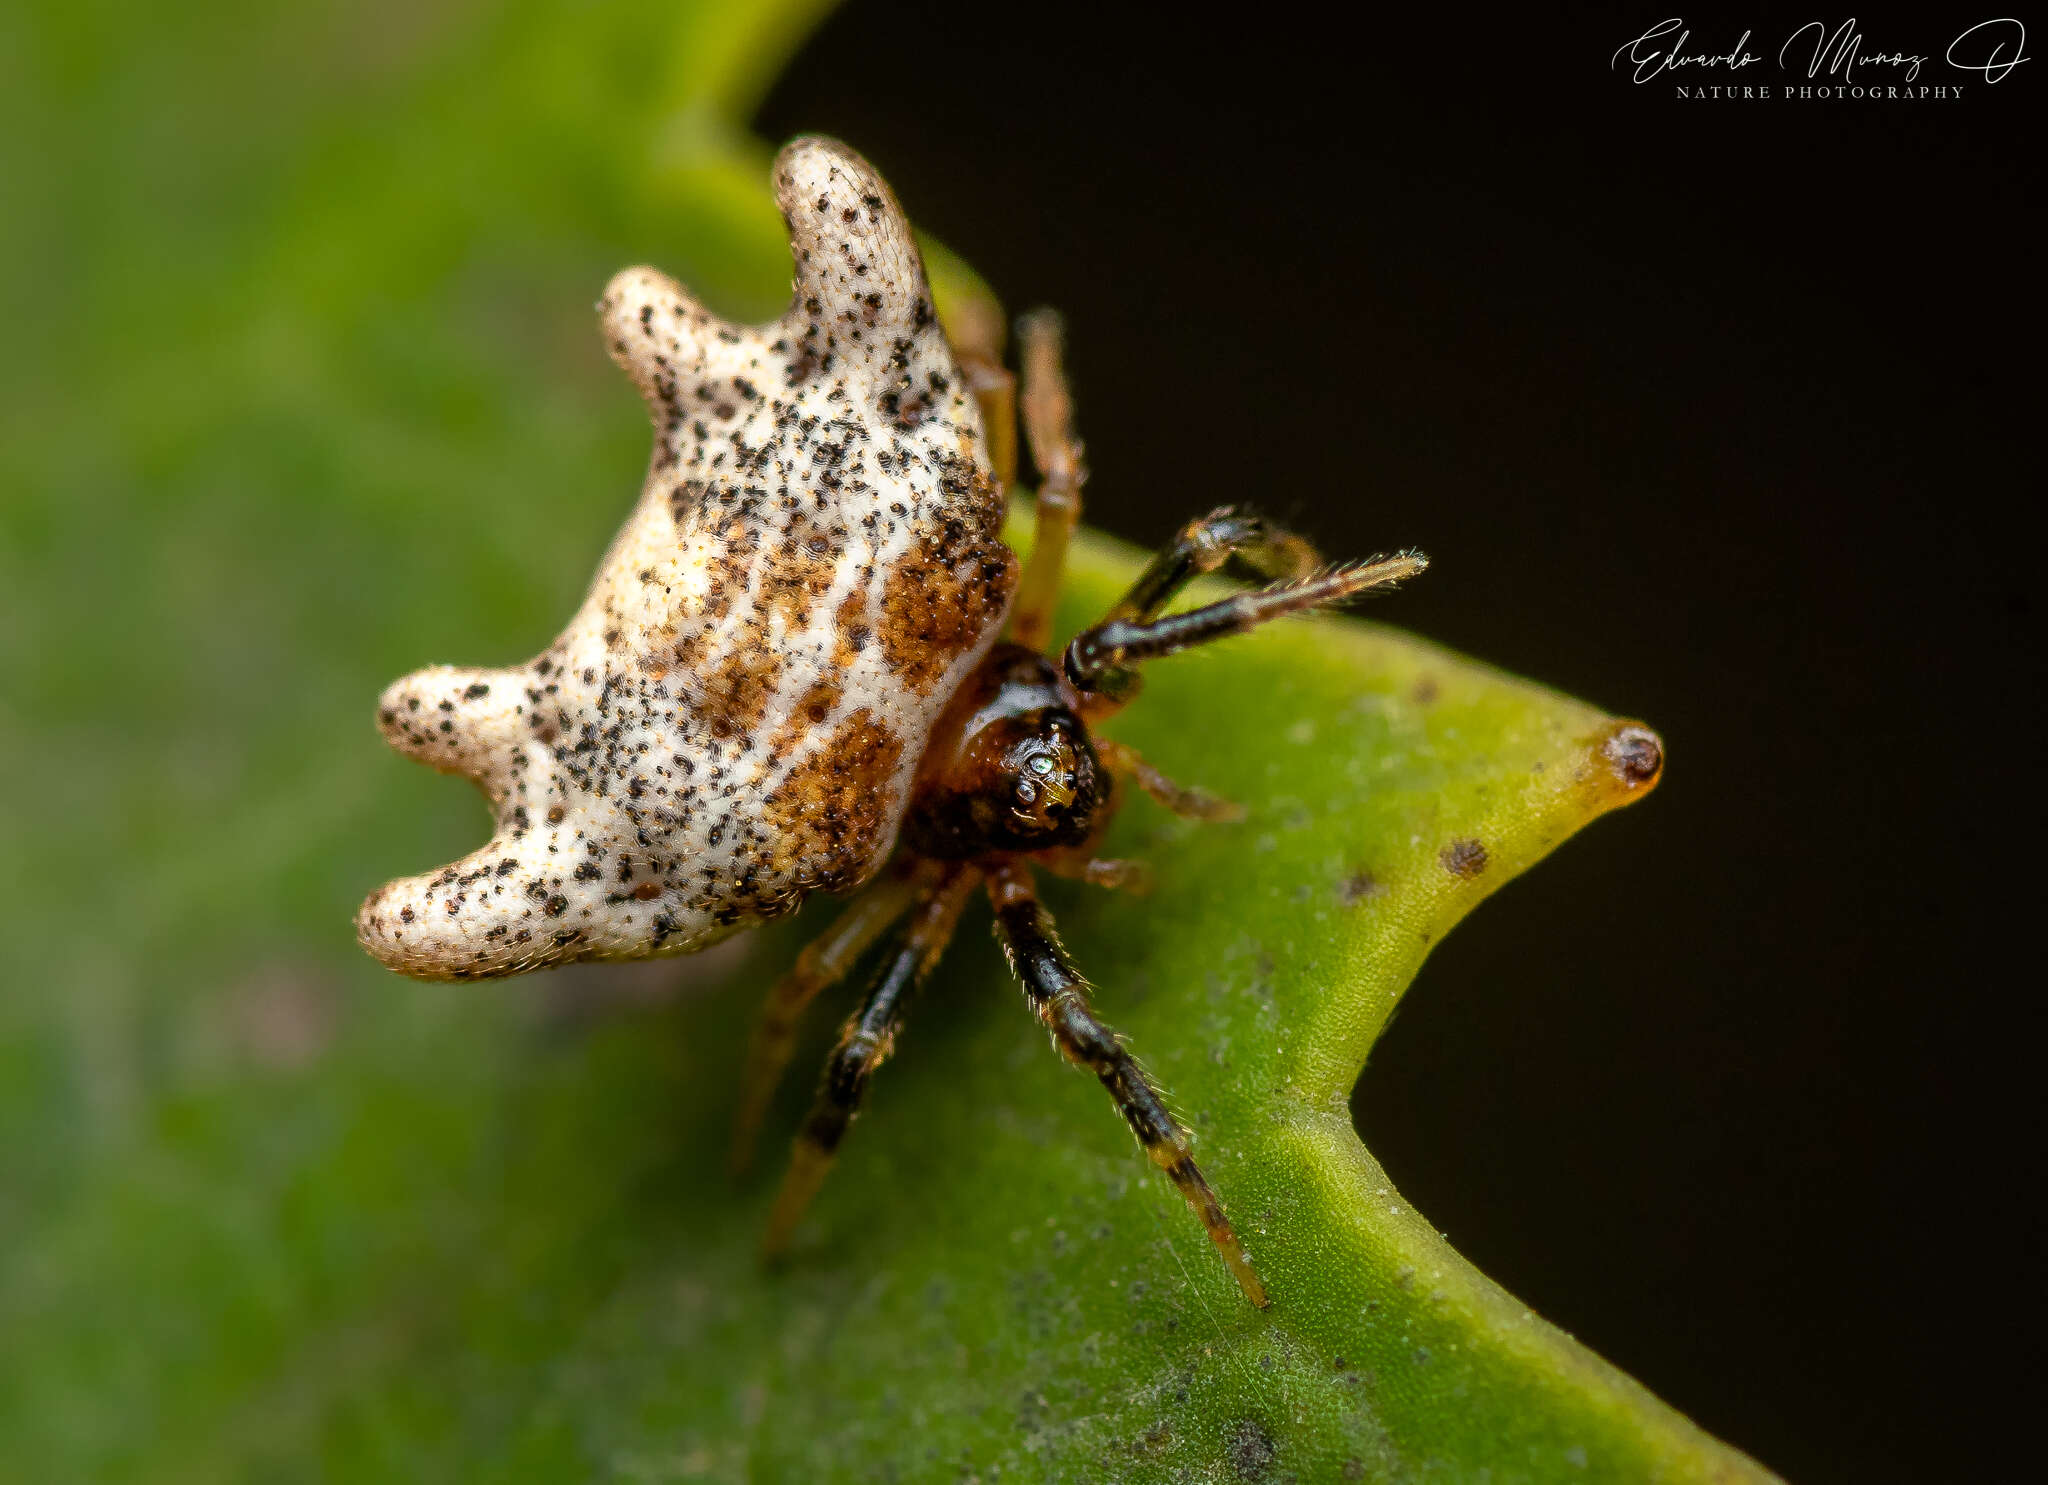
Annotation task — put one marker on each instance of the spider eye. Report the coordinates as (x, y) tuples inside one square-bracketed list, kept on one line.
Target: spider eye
[(1025, 792), (1041, 765)]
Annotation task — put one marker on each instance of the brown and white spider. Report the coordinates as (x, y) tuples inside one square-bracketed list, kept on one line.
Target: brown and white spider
[(786, 679)]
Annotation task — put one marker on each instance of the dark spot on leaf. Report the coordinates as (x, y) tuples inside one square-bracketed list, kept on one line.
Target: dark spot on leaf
[(1251, 1451), (1425, 691), (1154, 1440), (1636, 754), (1463, 858), (1032, 1413), (1357, 887)]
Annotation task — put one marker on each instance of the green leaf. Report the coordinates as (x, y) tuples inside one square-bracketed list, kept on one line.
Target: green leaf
[(267, 1212)]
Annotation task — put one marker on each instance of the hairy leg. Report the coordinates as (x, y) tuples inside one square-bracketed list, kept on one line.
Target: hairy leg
[(995, 392), (974, 327), (1228, 536), (1049, 429), (1112, 872), (1059, 997), (868, 1037), (1188, 802), (1099, 659), (824, 961)]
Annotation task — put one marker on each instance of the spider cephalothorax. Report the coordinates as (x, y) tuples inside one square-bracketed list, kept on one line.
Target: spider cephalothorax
[(786, 671), (1009, 767)]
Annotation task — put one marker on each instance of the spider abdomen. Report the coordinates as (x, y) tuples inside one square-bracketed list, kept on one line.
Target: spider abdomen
[(733, 717)]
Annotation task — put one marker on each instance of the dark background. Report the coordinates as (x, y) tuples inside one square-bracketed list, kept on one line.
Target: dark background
[(1716, 413)]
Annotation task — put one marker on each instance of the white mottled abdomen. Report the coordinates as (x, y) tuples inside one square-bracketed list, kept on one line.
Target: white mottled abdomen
[(732, 718)]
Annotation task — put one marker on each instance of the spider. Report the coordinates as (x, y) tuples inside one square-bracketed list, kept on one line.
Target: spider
[(1013, 780), (785, 679)]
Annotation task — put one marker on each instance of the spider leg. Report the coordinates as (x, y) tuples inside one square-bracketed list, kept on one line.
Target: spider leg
[(1049, 429), (995, 392), (1099, 659), (1228, 536), (868, 1036), (1185, 800), (1059, 997), (974, 327), (1114, 873), (824, 961)]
